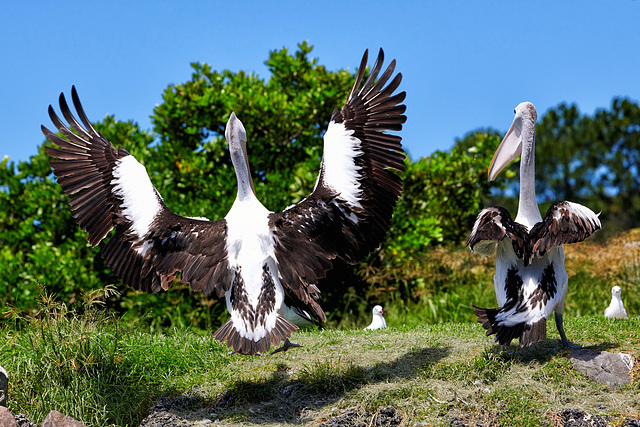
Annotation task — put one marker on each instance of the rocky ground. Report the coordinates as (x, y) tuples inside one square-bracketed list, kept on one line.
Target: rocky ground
[(184, 411)]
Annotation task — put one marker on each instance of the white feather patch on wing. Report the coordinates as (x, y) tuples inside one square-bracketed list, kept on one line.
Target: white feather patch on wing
[(583, 212), (140, 200), (340, 170)]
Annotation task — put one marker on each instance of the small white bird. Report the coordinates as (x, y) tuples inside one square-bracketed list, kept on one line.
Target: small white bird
[(378, 321), (616, 308)]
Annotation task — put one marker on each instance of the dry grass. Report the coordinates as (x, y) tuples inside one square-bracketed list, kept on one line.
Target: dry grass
[(617, 254)]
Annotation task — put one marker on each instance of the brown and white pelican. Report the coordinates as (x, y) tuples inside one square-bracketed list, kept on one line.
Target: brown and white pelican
[(266, 264), (530, 280)]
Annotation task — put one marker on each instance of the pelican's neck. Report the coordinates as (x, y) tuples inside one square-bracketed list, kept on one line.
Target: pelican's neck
[(528, 211), (241, 166)]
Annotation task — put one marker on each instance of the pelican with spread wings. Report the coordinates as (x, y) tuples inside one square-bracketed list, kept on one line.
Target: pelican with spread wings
[(266, 264)]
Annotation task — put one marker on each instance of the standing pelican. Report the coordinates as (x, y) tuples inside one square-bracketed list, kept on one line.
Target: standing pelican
[(530, 280), (265, 264)]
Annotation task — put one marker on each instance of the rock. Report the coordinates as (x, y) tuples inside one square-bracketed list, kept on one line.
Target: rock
[(386, 417), (612, 369), (162, 419), (6, 418), (23, 421), (56, 419), (174, 411), (4, 386), (577, 418)]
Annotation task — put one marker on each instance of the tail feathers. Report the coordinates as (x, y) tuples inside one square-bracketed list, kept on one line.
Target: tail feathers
[(227, 332), (525, 332), (534, 332)]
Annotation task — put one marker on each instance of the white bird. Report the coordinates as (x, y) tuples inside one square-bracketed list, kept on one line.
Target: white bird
[(616, 308), (266, 264), (378, 321), (530, 280)]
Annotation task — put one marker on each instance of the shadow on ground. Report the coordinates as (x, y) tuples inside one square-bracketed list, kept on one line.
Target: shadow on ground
[(281, 398)]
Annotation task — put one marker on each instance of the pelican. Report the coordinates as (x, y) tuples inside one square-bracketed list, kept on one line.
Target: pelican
[(266, 264), (530, 280)]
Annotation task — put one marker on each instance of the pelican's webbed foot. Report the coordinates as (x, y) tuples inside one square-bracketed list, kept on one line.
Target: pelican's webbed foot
[(286, 346)]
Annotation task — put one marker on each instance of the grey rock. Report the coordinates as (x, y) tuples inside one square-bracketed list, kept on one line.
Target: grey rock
[(577, 418), (6, 418), (386, 417), (23, 421), (612, 369), (175, 412), (4, 386), (56, 419)]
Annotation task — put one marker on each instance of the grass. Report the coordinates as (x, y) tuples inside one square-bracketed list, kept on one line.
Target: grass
[(97, 371)]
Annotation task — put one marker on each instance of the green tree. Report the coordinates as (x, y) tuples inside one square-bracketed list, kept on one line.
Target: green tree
[(285, 118), (40, 243), (188, 161), (592, 160), (187, 158)]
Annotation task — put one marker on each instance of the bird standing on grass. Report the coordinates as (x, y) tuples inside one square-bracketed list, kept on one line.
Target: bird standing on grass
[(266, 264), (378, 321), (616, 308), (530, 280)]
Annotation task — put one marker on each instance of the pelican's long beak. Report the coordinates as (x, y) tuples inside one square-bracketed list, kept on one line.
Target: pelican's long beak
[(237, 138), (509, 150)]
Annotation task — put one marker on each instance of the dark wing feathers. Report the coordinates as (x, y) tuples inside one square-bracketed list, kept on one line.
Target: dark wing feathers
[(565, 222), (85, 170), (492, 226), (326, 225)]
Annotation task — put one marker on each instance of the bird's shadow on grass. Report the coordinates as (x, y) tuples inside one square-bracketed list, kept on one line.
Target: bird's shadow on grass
[(284, 398), (545, 350)]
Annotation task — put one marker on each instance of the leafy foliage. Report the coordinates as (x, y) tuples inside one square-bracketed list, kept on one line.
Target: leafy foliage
[(443, 193), (284, 117), (593, 160)]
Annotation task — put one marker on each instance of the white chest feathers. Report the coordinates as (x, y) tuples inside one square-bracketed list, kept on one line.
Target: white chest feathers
[(616, 308)]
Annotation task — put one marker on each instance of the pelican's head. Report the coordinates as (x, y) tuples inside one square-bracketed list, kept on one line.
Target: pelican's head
[(615, 291), (511, 146), (236, 137), (377, 310)]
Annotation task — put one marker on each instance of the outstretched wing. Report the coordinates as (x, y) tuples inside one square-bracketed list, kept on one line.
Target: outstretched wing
[(565, 222), (110, 189), (492, 225), (349, 211)]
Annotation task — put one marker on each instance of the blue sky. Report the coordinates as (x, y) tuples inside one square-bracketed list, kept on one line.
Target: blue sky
[(466, 64)]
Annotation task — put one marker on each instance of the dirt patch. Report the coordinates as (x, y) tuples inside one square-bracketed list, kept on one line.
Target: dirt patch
[(386, 417)]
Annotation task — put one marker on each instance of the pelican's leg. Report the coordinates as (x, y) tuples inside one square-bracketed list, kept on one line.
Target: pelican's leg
[(286, 346), (563, 336)]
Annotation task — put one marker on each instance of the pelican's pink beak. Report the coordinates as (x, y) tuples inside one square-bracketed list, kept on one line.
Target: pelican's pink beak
[(509, 150)]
